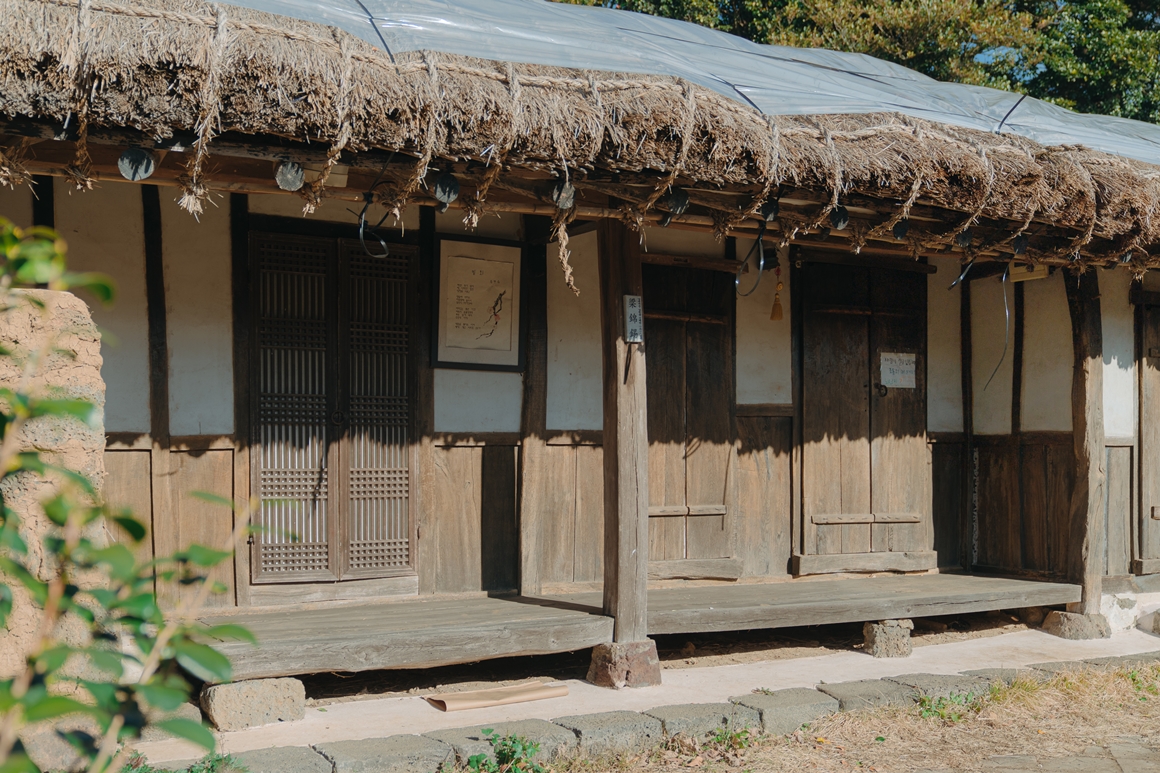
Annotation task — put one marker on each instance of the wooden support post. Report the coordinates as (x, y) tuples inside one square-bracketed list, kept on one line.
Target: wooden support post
[(534, 418), (631, 659), (1087, 411)]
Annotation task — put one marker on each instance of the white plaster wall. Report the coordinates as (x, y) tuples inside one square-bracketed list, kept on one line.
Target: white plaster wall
[(764, 347), (575, 388), (16, 205), (675, 241), (1047, 356), (199, 317), (1151, 281), (477, 400), (496, 225), (104, 230), (944, 359), (331, 210), (1120, 403), (992, 406)]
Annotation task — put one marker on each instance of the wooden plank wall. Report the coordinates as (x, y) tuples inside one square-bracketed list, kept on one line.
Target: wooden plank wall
[(947, 472)]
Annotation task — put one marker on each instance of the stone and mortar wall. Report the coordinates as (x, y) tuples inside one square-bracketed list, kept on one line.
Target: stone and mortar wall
[(71, 368)]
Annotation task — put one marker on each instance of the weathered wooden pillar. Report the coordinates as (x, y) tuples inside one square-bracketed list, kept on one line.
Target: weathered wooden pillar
[(1087, 409), (631, 659)]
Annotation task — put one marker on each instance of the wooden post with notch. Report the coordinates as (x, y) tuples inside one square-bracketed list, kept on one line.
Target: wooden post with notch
[(631, 658), (1087, 410)]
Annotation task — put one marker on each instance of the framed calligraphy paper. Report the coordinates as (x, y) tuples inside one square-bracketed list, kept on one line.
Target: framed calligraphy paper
[(478, 306)]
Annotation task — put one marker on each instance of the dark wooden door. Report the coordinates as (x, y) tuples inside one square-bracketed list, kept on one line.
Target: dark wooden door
[(331, 410), (1148, 558), (689, 351), (866, 474)]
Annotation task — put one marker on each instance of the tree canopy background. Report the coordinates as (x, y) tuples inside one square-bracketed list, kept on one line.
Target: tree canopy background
[(1094, 56)]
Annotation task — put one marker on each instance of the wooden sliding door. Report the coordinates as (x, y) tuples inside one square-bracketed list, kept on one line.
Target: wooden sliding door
[(330, 410)]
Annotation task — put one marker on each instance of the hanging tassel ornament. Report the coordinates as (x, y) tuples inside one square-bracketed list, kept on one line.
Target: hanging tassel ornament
[(775, 315)]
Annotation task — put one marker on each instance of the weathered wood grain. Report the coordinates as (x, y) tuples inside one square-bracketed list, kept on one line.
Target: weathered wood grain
[(196, 521), (1118, 553), (1088, 500), (947, 508), (1037, 519), (885, 561), (588, 560), (127, 477), (696, 569), (763, 510)]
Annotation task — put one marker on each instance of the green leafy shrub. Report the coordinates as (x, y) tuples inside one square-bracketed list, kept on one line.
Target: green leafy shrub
[(512, 753)]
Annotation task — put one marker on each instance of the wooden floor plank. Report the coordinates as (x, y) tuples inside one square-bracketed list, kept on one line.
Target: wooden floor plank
[(443, 631)]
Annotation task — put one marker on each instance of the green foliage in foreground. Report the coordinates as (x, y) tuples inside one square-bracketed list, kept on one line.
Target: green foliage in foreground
[(512, 753), (137, 665)]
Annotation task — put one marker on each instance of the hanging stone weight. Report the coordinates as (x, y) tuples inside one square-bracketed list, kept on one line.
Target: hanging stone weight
[(446, 190), (770, 209), (563, 195), (289, 175), (840, 218), (677, 203), (963, 238), (1126, 257), (137, 164), (1020, 243), (901, 228)]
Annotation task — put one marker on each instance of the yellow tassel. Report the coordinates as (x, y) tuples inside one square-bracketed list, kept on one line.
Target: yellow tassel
[(775, 315)]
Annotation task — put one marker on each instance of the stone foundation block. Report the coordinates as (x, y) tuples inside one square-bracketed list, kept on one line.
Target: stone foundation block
[(396, 754), (888, 638), (942, 685), (784, 711), (240, 705), (184, 711), (1005, 675), (613, 732), (1053, 667), (300, 759), (625, 664), (1071, 625), (699, 720), (869, 693), (554, 741)]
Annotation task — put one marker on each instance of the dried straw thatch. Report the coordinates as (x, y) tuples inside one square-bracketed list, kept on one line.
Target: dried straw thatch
[(160, 66)]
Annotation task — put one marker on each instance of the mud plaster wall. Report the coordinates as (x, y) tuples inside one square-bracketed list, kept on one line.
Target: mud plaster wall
[(199, 316), (104, 230), (477, 400), (944, 358), (574, 390), (1047, 356), (764, 346), (73, 371), (16, 205), (992, 404), (1120, 383)]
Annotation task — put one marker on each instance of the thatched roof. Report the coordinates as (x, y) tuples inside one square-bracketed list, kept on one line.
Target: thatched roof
[(164, 66)]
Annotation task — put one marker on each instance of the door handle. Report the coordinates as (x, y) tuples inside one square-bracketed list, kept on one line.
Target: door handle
[(881, 389), (338, 417)]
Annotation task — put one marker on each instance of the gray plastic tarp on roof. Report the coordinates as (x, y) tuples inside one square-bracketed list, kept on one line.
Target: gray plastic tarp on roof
[(776, 80)]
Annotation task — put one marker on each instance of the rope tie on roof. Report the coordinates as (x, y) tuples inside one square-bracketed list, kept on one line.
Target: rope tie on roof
[(496, 155), (687, 128), (430, 141), (313, 192), (193, 187), (560, 223), (74, 62), (12, 170)]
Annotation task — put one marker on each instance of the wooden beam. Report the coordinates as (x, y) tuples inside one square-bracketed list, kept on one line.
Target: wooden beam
[(1088, 514), (625, 439), (423, 409), (240, 287), (534, 414), (696, 569), (886, 561)]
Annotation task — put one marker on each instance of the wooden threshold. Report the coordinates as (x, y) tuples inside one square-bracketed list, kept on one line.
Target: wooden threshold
[(695, 569), (408, 634), (885, 561)]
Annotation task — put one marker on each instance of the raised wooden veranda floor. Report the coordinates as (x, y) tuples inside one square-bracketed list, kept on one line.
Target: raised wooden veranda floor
[(433, 632)]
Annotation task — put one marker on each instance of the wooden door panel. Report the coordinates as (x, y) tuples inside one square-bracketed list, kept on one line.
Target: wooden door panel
[(708, 414), (835, 429), (708, 537), (665, 353), (666, 535), (1150, 436)]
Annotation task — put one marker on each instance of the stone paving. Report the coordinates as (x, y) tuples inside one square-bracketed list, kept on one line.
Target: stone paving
[(779, 711), (1126, 756)]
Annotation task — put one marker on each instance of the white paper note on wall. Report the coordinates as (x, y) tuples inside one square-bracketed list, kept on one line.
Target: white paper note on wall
[(898, 370)]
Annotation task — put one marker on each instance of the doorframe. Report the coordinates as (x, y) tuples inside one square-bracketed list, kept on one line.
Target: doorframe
[(243, 223)]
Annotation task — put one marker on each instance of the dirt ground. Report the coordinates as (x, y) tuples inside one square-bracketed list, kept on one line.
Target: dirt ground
[(684, 651), (1089, 721)]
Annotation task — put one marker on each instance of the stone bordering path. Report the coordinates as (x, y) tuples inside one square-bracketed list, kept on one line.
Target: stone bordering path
[(776, 713)]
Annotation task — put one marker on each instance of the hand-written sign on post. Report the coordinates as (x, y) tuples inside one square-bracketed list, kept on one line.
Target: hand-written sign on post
[(479, 311), (633, 320), (898, 370)]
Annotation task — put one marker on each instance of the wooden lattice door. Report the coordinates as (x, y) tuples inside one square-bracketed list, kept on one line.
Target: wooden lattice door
[(331, 410)]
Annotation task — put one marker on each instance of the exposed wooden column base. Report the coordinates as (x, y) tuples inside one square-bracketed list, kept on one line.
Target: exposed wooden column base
[(625, 664)]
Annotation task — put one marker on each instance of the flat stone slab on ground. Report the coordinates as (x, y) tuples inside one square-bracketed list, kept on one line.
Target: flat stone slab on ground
[(697, 720), (613, 732), (255, 702), (942, 685), (869, 693), (554, 741), (396, 754), (784, 711), (1005, 675), (300, 759), (1120, 661), (1058, 666)]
